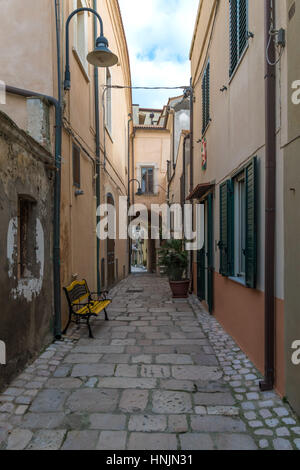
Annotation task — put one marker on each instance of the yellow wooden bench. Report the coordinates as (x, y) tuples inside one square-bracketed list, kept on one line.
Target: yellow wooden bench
[(84, 304)]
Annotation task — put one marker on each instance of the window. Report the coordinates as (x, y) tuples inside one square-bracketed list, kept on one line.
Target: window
[(205, 98), (238, 31), (238, 226), (26, 238), (108, 120), (76, 166), (81, 37), (147, 180)]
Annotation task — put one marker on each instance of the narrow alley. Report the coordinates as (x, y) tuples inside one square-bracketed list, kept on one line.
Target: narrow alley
[(161, 374)]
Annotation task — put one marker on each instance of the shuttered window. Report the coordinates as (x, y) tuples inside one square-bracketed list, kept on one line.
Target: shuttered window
[(226, 229), (76, 165), (238, 31), (205, 98), (251, 223), (238, 226)]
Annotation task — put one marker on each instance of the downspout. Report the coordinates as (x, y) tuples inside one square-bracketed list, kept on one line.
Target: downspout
[(191, 137), (128, 189), (98, 152), (133, 162), (270, 217), (192, 171)]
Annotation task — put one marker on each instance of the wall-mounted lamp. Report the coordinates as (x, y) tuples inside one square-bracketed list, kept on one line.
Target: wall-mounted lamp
[(101, 56), (79, 192)]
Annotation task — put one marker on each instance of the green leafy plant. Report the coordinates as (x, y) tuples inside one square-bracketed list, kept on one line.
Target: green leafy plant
[(173, 260)]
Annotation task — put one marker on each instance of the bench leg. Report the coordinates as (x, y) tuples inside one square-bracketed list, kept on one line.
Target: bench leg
[(89, 327), (106, 316)]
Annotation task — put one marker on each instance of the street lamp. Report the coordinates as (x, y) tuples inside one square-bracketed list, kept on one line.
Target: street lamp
[(139, 191), (101, 56)]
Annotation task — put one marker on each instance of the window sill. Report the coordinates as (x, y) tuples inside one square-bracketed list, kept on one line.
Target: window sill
[(239, 63), (206, 129), (81, 65), (109, 134), (238, 280)]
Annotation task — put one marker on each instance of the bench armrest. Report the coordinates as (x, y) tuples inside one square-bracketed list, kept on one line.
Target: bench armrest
[(101, 296)]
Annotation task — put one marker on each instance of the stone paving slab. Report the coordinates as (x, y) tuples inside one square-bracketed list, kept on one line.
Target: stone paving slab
[(160, 375)]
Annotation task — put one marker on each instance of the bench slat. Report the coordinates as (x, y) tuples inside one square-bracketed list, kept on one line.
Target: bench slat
[(96, 308)]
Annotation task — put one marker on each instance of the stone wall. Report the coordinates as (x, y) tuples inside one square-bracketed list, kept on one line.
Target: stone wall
[(26, 213)]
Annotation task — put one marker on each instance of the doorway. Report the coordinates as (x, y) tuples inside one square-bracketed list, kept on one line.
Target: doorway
[(205, 259), (110, 249)]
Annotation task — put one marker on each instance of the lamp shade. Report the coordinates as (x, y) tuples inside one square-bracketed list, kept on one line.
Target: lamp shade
[(101, 56), (139, 192)]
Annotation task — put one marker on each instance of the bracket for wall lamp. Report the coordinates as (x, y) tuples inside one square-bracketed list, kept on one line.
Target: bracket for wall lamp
[(224, 88), (250, 35), (79, 192)]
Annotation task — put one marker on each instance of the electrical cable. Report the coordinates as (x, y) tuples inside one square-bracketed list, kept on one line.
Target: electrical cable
[(147, 87), (272, 33)]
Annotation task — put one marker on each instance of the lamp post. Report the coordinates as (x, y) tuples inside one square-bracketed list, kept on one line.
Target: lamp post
[(101, 56)]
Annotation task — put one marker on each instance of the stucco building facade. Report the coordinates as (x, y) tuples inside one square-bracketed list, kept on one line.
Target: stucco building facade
[(91, 171), (26, 205), (229, 142)]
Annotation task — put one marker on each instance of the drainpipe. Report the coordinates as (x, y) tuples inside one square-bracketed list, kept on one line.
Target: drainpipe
[(128, 189), (133, 163), (98, 152), (192, 168), (270, 217), (191, 137)]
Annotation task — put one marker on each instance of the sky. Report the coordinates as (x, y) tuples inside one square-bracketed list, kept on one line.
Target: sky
[(159, 35)]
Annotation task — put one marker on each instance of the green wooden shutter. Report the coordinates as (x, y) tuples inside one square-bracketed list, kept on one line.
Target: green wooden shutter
[(207, 94), (223, 243), (233, 30), (205, 97), (242, 25), (226, 243), (203, 103), (210, 256), (251, 223), (238, 14)]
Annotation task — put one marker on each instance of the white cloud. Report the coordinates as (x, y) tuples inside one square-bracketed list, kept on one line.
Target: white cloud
[(159, 34)]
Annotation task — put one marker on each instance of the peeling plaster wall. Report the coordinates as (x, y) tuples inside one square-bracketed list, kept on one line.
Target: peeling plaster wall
[(26, 314)]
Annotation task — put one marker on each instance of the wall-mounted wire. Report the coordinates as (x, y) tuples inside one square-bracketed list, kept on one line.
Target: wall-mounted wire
[(273, 33)]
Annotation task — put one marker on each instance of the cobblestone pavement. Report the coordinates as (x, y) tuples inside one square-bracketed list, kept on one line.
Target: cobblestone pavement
[(162, 374)]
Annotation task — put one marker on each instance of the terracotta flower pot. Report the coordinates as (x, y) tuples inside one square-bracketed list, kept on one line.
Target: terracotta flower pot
[(180, 289)]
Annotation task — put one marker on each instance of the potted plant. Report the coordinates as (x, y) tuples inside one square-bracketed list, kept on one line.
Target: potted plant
[(174, 263)]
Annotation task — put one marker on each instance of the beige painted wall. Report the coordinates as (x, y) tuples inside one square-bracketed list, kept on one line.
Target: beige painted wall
[(29, 61), (235, 134), (291, 207), (152, 148)]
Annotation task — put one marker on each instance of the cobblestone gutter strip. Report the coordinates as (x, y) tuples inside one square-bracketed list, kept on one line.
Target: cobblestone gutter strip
[(271, 421)]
